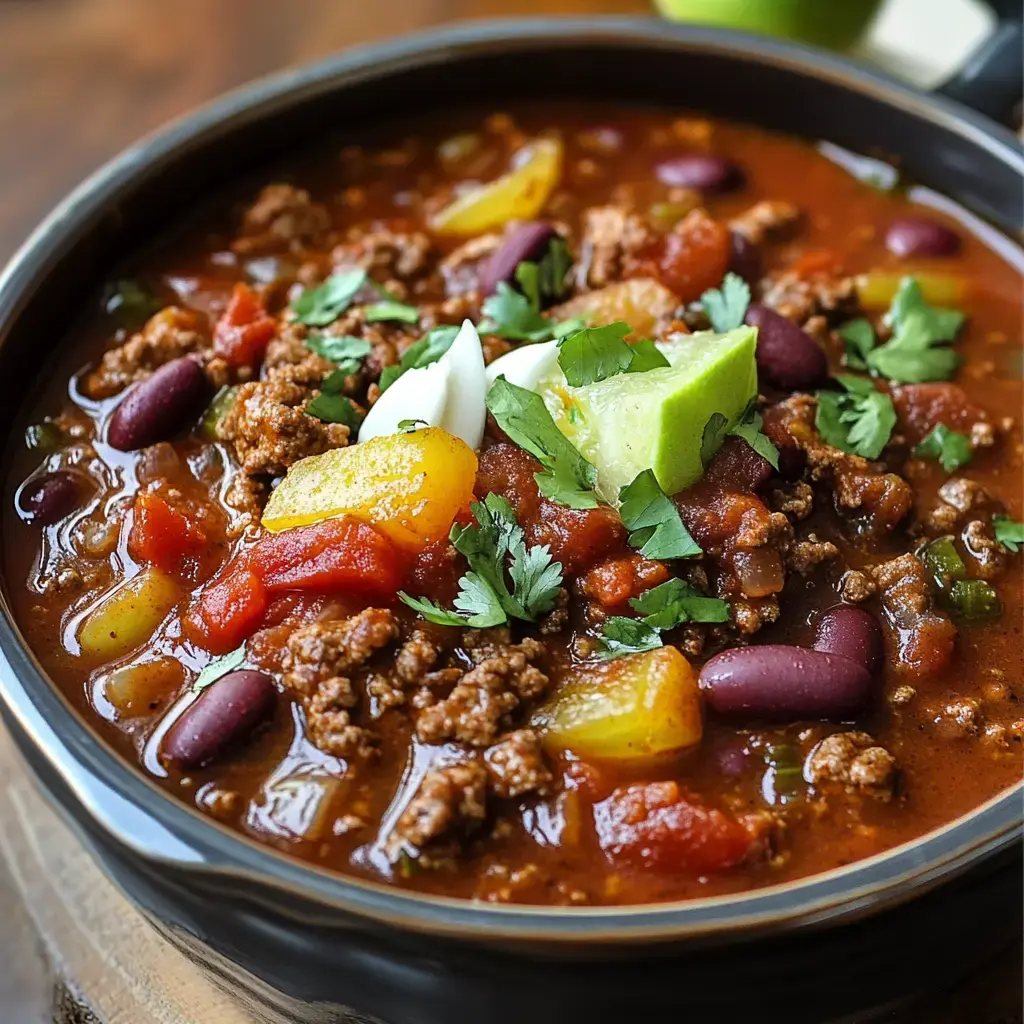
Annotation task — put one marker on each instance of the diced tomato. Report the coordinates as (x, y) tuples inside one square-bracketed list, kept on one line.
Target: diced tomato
[(689, 259), (816, 261), (922, 407), (615, 580), (577, 537), (334, 554), (162, 536), (228, 611), (435, 572), (244, 329), (739, 467), (658, 826)]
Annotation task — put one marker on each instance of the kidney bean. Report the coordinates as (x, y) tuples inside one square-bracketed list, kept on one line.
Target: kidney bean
[(158, 407), (49, 498), (744, 257), (920, 236), (702, 171), (786, 355), (226, 712), (527, 241), (783, 683), (853, 633)]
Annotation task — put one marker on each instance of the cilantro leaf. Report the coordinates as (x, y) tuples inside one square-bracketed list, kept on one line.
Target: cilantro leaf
[(952, 449), (727, 307), (654, 523), (919, 348), (646, 356), (512, 315), (568, 477), (330, 407), (674, 602), (715, 431), (1009, 533), (486, 545), (749, 428), (545, 279), (218, 668), (482, 606), (621, 636), (322, 305), (535, 579), (420, 353), (859, 338), (404, 425), (434, 613), (595, 353), (859, 421), (390, 309), (346, 350)]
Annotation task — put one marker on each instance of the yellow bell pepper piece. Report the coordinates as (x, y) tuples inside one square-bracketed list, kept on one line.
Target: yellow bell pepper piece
[(410, 486), (877, 289), (127, 616), (641, 708), (518, 195), (639, 302)]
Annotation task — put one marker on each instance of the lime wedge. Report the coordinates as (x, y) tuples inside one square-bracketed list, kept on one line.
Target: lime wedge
[(655, 420)]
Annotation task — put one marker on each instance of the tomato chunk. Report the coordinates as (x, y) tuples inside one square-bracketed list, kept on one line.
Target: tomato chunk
[(690, 259), (658, 826), (228, 611), (244, 329), (162, 536), (922, 407), (614, 581)]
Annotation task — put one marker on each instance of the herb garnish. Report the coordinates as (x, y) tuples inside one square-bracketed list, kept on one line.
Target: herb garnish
[(218, 668), (512, 315), (567, 477), (858, 420), (594, 354), (921, 335), (663, 607), (748, 428), (952, 449), (346, 350), (545, 279), (420, 353), (1008, 532), (654, 524), (727, 307), (408, 425), (391, 309), (131, 303), (484, 597), (322, 305)]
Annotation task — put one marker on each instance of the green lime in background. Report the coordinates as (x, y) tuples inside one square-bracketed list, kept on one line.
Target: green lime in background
[(833, 23)]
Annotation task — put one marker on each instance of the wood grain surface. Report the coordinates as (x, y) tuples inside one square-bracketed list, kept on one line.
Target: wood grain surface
[(79, 80)]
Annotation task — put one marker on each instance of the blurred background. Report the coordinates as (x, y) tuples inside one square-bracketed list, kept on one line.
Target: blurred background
[(81, 79)]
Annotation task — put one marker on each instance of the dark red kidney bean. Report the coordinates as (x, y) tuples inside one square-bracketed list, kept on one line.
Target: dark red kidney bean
[(738, 468), (786, 355), (745, 257), (701, 171), (920, 236), (527, 241), (783, 683), (49, 498), (853, 633), (226, 712), (160, 406)]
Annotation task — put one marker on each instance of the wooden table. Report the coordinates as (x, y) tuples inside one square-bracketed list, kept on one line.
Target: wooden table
[(80, 79)]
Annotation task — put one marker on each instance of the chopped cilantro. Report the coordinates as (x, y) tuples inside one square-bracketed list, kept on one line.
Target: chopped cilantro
[(420, 353), (859, 338), (716, 430), (322, 305), (511, 315), (921, 334), (345, 350), (218, 668), (545, 279), (593, 354), (654, 523), (390, 309), (405, 425), (858, 420), (330, 407), (646, 356), (726, 307), (1009, 533), (621, 636), (567, 477), (131, 303), (953, 450), (485, 598)]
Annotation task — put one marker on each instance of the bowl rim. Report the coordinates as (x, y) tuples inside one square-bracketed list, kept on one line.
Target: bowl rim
[(111, 791)]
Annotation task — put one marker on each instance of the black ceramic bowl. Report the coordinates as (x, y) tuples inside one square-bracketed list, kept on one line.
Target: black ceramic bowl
[(305, 945)]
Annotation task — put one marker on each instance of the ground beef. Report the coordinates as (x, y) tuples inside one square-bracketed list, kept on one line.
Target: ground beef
[(516, 765), (413, 671), (750, 615), (956, 719), (558, 618), (481, 702), (856, 586), (988, 555), (924, 633), (317, 665), (450, 802), (857, 484), (610, 236), (795, 499), (246, 496), (769, 219), (855, 761), (384, 252), (171, 333), (806, 555), (957, 497), (267, 424), (799, 297), (282, 218)]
